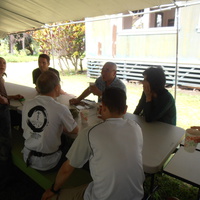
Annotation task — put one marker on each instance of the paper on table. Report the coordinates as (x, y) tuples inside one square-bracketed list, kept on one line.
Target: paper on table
[(86, 104), (16, 103)]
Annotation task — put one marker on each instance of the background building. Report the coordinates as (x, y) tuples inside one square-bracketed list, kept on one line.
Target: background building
[(168, 36)]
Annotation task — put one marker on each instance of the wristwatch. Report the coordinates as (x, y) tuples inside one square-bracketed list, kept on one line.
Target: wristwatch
[(54, 191)]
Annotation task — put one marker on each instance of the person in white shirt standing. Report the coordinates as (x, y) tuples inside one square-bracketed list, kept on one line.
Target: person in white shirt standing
[(43, 122), (114, 150)]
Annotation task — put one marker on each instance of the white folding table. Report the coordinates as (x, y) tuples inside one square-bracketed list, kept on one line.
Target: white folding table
[(159, 142), (160, 139), (185, 166)]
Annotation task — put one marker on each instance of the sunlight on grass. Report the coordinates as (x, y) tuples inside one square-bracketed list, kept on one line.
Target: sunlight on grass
[(187, 101)]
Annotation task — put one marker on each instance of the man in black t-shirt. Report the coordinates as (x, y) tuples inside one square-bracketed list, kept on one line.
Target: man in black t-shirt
[(43, 63)]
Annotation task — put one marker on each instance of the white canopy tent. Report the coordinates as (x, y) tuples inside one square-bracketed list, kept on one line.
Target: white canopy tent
[(21, 15)]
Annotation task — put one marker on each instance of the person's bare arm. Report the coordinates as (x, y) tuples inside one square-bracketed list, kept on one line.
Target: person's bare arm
[(15, 97), (95, 90), (74, 131), (85, 93), (3, 100), (63, 174)]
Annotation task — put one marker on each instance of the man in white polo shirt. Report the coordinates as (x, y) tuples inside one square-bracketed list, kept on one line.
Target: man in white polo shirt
[(114, 151)]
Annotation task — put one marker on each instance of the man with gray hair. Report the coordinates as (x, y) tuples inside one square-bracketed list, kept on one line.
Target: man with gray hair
[(43, 122), (107, 79)]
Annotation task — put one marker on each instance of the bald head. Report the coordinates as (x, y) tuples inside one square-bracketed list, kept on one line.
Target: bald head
[(108, 72), (110, 65)]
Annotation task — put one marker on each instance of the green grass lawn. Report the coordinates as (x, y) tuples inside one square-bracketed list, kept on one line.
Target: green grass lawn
[(187, 101), (171, 187)]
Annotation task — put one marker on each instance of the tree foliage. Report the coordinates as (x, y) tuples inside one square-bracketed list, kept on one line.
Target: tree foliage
[(24, 41), (21, 42), (65, 41)]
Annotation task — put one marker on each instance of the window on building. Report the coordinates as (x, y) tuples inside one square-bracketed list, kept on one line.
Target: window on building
[(159, 20), (162, 19), (130, 22), (155, 19)]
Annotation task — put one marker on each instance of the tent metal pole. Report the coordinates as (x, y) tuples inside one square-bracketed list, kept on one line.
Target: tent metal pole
[(177, 50), (52, 49)]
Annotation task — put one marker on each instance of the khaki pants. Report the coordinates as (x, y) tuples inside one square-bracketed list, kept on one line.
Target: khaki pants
[(75, 193)]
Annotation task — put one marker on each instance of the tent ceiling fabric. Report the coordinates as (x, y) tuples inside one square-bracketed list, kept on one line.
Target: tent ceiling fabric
[(20, 15)]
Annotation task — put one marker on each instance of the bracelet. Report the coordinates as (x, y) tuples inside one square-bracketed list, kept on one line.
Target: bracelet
[(54, 191)]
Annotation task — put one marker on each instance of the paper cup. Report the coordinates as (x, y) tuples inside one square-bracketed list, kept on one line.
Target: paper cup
[(190, 136), (84, 116)]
